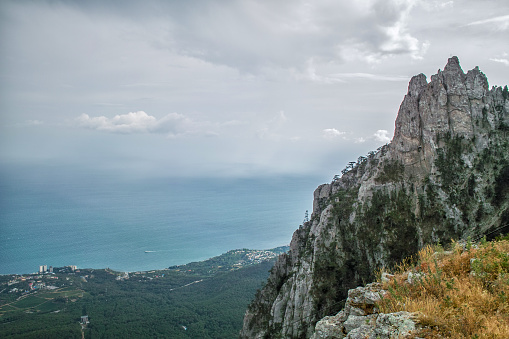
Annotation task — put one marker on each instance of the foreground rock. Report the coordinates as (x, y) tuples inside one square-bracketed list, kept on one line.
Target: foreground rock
[(360, 318)]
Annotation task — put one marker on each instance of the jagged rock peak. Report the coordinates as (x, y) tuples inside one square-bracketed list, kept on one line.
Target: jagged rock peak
[(451, 76), (447, 104), (416, 85), (453, 65)]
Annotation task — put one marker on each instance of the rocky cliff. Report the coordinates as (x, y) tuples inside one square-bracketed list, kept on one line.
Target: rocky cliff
[(444, 175)]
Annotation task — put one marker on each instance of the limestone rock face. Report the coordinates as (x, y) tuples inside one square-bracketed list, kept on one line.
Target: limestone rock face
[(444, 175)]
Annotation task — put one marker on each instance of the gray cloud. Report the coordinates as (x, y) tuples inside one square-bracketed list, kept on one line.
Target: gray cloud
[(251, 35), (266, 79)]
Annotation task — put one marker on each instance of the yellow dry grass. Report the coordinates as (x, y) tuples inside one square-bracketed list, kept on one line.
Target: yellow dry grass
[(462, 293)]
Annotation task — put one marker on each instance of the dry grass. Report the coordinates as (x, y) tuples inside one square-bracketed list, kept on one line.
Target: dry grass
[(463, 293)]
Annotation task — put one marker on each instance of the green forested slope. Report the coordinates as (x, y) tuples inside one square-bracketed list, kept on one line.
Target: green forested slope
[(147, 305)]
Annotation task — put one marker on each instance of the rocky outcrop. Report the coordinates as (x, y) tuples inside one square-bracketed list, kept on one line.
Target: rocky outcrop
[(444, 175), (360, 318)]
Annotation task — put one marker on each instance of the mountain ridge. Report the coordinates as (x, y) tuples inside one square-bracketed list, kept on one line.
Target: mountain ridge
[(443, 176)]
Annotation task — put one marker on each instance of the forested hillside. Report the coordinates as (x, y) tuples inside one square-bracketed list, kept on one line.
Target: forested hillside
[(198, 300)]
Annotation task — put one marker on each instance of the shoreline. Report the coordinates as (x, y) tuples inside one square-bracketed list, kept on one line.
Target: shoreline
[(76, 269)]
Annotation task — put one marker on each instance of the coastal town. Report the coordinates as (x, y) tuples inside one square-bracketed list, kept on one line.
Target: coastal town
[(82, 300), (46, 278), (230, 261), (65, 284)]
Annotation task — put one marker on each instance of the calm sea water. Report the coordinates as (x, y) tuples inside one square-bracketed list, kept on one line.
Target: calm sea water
[(103, 221)]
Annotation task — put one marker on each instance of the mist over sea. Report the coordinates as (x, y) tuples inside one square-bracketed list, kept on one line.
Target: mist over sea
[(99, 221)]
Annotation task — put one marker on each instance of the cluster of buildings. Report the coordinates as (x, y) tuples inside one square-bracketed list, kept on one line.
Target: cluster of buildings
[(40, 285), (31, 283), (44, 268), (259, 256), (39, 280), (123, 277), (84, 320), (253, 257)]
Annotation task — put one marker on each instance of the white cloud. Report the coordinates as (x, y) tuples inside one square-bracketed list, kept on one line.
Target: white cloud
[(500, 23), (279, 119), (398, 39), (501, 60), (331, 133), (382, 135), (447, 4), (34, 122), (310, 73), (272, 129), (369, 76), (436, 5), (136, 122), (389, 34)]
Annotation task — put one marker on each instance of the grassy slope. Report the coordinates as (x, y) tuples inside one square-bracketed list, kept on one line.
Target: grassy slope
[(462, 293)]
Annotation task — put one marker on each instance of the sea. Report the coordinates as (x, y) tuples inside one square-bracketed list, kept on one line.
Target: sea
[(125, 224)]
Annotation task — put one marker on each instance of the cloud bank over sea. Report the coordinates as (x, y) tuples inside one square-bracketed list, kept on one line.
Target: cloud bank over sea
[(236, 88)]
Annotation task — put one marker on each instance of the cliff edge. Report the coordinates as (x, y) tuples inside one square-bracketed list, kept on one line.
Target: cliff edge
[(444, 175)]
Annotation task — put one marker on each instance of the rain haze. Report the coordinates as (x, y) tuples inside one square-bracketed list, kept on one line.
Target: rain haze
[(224, 88)]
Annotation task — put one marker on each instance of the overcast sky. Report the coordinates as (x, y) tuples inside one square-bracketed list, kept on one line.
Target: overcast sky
[(225, 88)]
